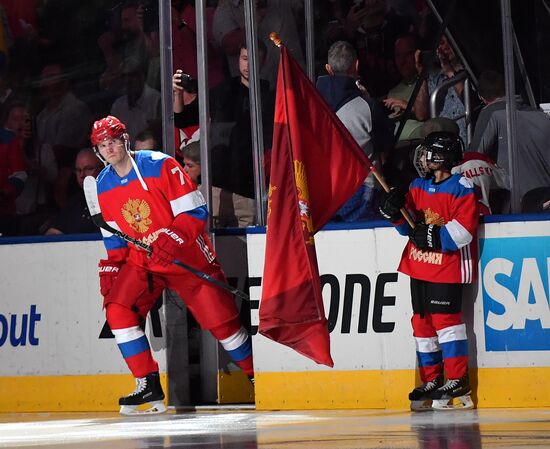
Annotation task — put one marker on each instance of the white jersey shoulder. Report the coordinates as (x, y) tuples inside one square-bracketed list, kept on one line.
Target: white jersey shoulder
[(158, 155)]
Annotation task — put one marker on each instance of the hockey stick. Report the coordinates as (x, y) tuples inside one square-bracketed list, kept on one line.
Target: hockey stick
[(90, 192)]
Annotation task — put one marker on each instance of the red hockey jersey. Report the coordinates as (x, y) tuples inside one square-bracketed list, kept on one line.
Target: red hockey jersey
[(142, 210), (451, 204)]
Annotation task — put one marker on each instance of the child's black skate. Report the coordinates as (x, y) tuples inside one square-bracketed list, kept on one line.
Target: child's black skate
[(420, 397), (148, 391), (443, 398)]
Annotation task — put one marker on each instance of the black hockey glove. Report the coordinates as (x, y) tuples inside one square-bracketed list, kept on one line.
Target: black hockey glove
[(426, 236), (394, 201)]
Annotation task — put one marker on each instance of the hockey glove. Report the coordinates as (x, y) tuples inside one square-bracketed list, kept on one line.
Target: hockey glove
[(394, 201), (165, 247), (426, 236), (108, 272)]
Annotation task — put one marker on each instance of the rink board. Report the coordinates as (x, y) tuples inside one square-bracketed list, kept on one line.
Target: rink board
[(51, 321), (79, 393), (507, 315), (55, 352)]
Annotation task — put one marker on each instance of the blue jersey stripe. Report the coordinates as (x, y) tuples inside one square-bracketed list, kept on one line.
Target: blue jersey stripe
[(154, 160), (447, 242), (452, 188), (114, 242), (429, 358), (134, 347), (200, 212), (108, 178)]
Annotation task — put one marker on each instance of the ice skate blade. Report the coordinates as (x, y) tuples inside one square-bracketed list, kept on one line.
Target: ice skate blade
[(421, 406), (155, 408), (464, 403)]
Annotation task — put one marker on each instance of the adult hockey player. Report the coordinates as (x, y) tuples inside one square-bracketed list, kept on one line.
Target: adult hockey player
[(440, 256), (148, 196)]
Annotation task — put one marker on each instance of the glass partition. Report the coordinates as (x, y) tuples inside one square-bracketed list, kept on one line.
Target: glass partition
[(64, 64), (240, 116)]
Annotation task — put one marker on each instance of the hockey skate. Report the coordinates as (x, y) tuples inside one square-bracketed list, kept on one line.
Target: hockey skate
[(454, 389), (420, 396), (148, 393)]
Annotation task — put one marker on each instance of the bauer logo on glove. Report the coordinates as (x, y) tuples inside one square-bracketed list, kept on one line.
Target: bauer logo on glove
[(426, 236), (172, 234), (165, 247), (108, 272)]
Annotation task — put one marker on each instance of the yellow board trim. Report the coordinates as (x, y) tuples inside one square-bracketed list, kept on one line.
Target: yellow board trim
[(373, 389), (491, 387), (234, 388), (93, 393)]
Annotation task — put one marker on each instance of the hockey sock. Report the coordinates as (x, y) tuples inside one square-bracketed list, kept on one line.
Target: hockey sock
[(131, 340), (239, 347), (429, 357), (454, 345), (428, 351)]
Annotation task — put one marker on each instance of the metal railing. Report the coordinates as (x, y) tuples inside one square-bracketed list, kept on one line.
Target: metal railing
[(442, 89)]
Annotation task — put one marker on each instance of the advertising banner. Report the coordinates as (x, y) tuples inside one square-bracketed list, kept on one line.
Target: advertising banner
[(51, 317), (57, 352), (368, 307)]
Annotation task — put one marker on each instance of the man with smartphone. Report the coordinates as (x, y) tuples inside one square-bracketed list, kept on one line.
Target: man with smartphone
[(186, 111)]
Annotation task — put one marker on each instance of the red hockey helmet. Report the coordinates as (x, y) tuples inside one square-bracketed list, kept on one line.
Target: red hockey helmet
[(106, 129)]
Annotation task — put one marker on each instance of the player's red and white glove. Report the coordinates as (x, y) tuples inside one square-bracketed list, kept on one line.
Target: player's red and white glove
[(108, 272), (166, 247)]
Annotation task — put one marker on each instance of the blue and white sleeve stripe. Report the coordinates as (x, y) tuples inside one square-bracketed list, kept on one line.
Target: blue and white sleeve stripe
[(191, 203), (454, 236), (112, 241)]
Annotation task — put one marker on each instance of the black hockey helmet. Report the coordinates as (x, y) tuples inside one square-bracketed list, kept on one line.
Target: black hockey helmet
[(439, 147)]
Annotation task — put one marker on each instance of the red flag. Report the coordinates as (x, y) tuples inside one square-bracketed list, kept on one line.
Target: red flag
[(316, 166)]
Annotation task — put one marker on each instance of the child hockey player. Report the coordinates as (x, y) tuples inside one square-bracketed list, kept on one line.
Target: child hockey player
[(440, 256)]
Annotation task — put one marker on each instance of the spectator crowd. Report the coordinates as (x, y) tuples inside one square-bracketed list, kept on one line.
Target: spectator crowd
[(63, 64)]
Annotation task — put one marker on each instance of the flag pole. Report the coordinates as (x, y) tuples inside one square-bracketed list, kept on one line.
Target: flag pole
[(275, 38), (277, 41)]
